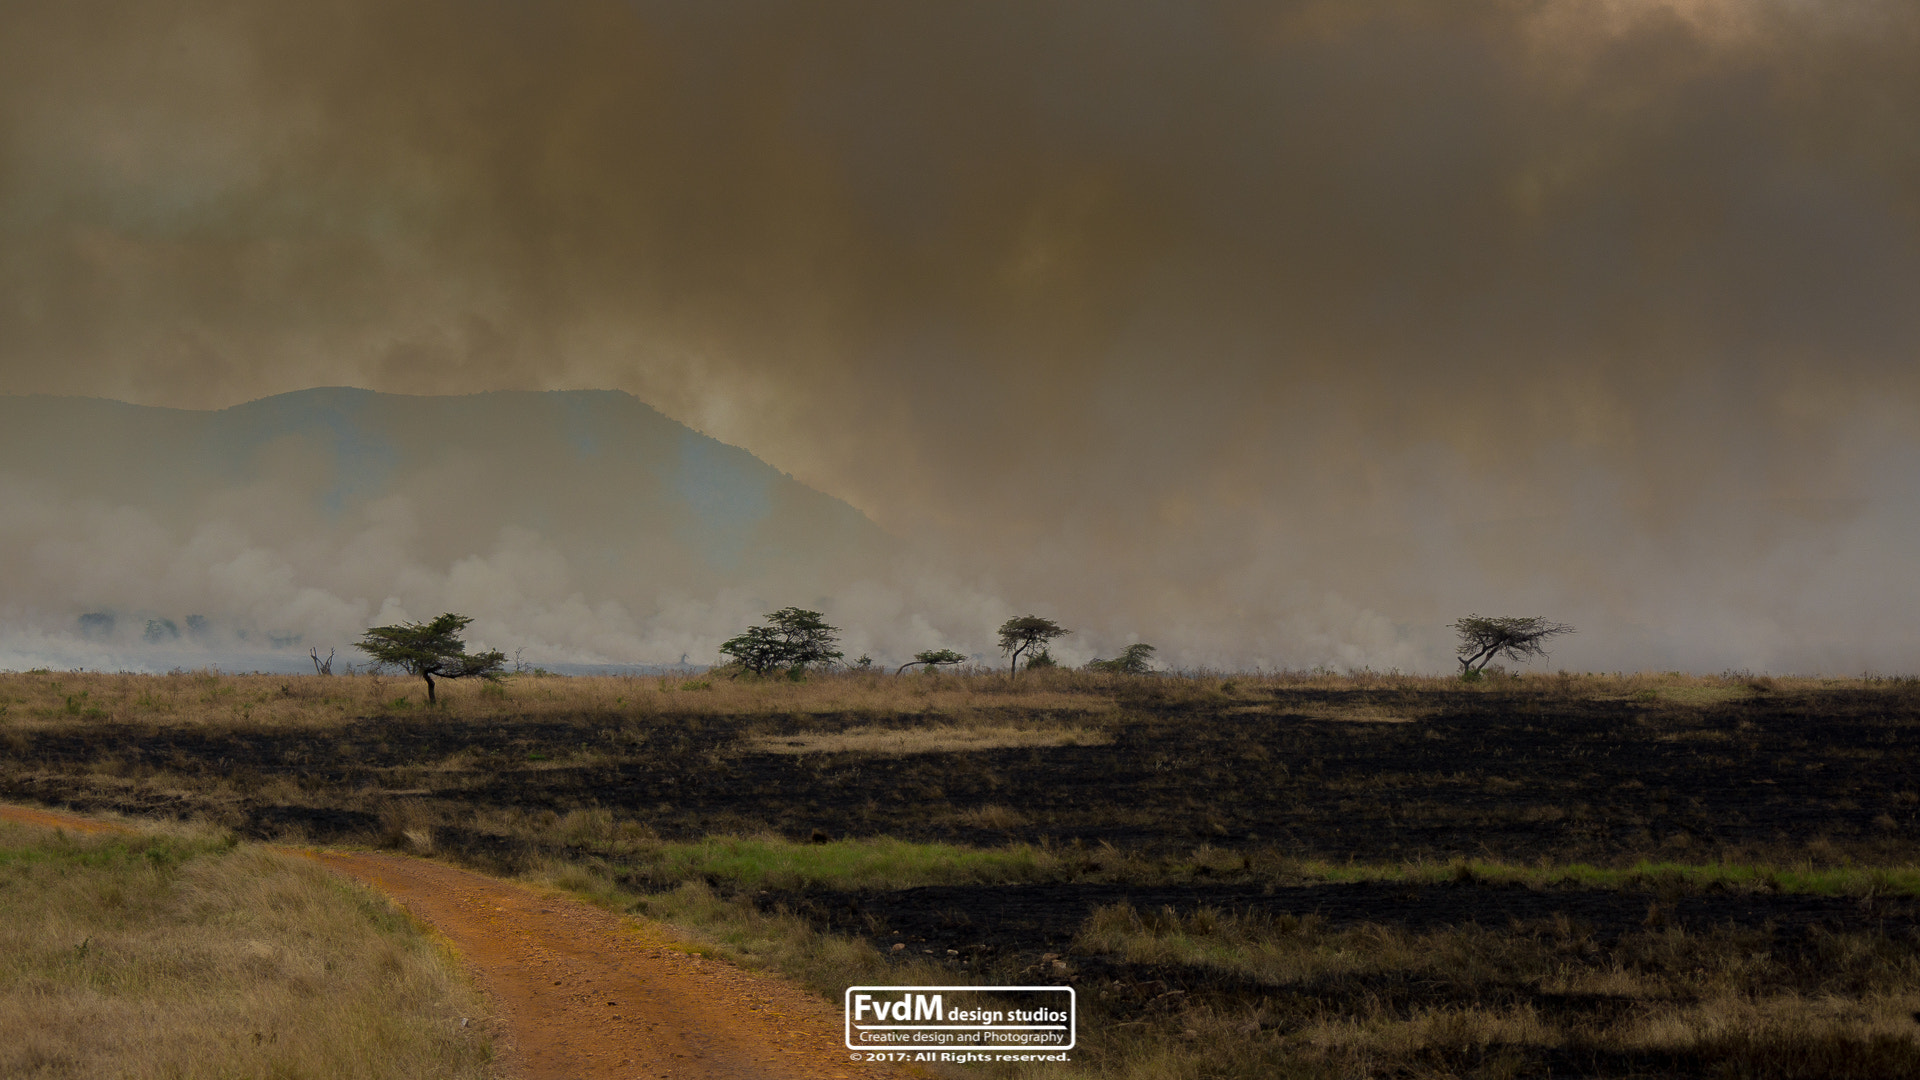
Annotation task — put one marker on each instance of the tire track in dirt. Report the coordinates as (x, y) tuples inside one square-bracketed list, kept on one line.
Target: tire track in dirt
[(582, 993)]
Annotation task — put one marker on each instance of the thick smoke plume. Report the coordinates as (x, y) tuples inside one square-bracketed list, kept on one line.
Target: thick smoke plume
[(1272, 333)]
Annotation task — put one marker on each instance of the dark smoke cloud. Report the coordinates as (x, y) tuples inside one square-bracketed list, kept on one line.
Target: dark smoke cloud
[(1273, 333)]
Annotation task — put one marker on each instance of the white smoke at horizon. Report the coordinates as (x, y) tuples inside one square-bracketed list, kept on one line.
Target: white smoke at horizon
[(257, 604)]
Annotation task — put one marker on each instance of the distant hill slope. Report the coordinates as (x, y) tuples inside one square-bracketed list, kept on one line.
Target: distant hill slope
[(571, 519)]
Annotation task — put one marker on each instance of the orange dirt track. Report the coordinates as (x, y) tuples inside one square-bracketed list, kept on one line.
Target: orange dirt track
[(579, 992)]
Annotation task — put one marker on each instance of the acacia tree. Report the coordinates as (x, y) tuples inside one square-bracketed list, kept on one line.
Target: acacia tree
[(1024, 633), (1483, 637), (793, 638), (1135, 659), (430, 649), (933, 658)]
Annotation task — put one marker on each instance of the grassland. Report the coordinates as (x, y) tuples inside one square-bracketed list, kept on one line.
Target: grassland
[(1365, 875), (178, 952)]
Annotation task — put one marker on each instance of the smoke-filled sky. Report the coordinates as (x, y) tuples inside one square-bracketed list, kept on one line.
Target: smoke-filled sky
[(1271, 333)]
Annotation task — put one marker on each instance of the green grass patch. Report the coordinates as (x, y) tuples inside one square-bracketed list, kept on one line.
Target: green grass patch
[(878, 863), (1641, 876), (887, 863), (65, 850)]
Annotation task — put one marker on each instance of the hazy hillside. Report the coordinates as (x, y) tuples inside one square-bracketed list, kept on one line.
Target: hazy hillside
[(582, 525)]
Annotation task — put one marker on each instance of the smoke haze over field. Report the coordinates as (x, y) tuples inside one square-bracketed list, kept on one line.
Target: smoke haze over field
[(1273, 334), (578, 526)]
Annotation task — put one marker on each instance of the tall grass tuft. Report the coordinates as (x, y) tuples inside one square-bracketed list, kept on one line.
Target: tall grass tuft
[(185, 954)]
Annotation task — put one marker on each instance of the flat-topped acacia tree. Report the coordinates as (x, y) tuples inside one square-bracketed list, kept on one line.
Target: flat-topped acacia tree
[(1483, 637), (430, 649), (1028, 634), (933, 658), (794, 638), (1135, 659)]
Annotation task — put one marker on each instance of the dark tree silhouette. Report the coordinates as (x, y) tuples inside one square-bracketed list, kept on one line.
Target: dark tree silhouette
[(1135, 659), (430, 649), (1483, 637), (933, 658), (1025, 633), (793, 638)]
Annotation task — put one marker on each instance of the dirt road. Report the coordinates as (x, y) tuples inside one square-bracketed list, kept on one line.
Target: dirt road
[(52, 819), (582, 992), (579, 992)]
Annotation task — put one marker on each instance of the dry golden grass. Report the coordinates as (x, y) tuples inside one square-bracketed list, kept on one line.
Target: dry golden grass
[(42, 700), (1361, 713), (940, 738), (178, 953)]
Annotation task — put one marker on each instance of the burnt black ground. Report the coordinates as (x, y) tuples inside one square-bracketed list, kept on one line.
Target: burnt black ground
[(1518, 777), (1035, 917), (1823, 778), (1027, 934)]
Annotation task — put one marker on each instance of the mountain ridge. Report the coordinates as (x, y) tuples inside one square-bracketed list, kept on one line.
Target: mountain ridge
[(301, 513)]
